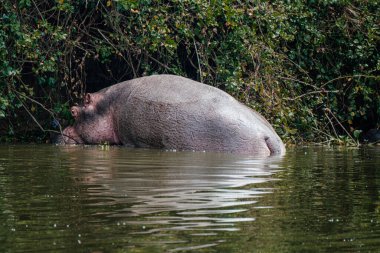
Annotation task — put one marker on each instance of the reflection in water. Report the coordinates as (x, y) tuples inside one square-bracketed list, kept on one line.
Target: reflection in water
[(89, 197), (86, 199), (190, 186)]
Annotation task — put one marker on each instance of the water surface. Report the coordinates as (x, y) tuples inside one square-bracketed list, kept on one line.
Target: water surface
[(112, 199)]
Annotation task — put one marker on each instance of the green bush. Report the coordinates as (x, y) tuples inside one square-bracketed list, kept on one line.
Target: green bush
[(310, 67)]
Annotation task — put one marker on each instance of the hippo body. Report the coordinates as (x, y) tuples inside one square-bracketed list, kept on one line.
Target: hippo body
[(171, 112)]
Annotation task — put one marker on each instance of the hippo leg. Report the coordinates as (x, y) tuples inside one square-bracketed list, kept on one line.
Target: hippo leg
[(275, 145)]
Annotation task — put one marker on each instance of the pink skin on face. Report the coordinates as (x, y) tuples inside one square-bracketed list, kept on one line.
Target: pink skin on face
[(70, 136), (90, 126)]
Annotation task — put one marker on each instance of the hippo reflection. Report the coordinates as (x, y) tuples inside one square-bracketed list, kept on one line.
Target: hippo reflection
[(140, 182)]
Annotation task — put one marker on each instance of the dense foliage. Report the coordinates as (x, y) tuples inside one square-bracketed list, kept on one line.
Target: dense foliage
[(310, 67)]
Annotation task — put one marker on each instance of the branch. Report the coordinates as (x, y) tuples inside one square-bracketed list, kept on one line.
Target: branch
[(311, 93), (340, 124), (38, 10), (199, 64), (332, 125), (344, 77), (18, 94), (298, 81)]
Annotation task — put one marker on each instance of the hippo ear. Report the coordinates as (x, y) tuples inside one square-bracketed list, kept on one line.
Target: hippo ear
[(88, 98)]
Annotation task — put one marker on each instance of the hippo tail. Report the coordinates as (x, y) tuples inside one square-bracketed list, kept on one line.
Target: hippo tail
[(275, 145)]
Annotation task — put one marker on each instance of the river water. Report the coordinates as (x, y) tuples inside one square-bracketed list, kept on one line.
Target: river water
[(114, 199)]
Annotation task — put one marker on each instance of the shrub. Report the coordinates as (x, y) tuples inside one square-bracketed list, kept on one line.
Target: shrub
[(311, 68)]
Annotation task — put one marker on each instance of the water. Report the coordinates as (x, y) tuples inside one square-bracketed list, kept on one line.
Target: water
[(111, 199)]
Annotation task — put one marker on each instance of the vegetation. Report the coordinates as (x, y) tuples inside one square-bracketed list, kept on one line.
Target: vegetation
[(310, 67)]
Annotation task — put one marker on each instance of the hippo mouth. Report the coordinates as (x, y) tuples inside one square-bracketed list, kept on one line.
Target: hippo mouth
[(68, 136)]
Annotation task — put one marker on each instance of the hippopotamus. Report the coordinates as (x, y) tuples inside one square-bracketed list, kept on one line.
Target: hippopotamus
[(174, 113)]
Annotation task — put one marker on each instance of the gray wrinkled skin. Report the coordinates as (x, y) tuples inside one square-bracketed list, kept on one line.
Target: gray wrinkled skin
[(171, 112)]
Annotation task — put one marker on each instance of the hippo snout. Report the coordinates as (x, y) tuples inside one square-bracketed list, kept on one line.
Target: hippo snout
[(69, 136)]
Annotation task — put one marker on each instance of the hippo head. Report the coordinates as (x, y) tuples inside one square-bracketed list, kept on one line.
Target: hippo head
[(93, 122)]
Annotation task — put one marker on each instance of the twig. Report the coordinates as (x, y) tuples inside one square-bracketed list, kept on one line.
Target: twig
[(199, 64), (340, 124), (30, 114), (120, 54), (332, 125), (329, 139), (311, 93), (298, 81), (158, 62), (344, 77), (36, 121), (38, 10)]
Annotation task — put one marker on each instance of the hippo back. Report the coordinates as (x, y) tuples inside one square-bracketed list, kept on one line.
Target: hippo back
[(173, 112)]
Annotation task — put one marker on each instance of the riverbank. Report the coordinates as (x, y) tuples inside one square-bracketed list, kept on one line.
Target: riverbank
[(312, 69)]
